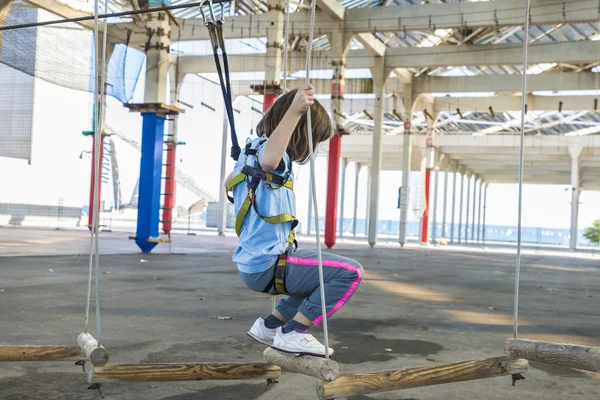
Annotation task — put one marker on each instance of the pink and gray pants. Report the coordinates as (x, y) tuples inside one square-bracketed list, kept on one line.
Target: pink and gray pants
[(342, 276)]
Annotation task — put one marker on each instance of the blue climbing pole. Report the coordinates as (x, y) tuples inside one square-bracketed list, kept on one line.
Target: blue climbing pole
[(150, 181)]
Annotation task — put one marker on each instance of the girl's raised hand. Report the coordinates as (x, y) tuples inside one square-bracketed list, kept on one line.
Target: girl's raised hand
[(305, 97)]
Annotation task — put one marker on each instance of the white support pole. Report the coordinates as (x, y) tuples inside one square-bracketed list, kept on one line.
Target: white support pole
[(222, 211), (460, 209), (274, 54), (475, 180), (368, 201), (484, 211), (355, 214), (407, 103), (342, 195), (445, 203), (455, 171), (422, 198), (433, 205), (575, 152), (404, 193), (157, 58), (467, 208), (379, 80), (481, 184)]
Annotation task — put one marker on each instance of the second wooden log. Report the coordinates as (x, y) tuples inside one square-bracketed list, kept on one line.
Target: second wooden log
[(405, 378), (563, 354), (39, 353), (316, 367), (97, 355), (183, 372)]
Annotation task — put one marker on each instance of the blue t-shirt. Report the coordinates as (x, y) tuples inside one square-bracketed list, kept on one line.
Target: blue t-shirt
[(261, 242)]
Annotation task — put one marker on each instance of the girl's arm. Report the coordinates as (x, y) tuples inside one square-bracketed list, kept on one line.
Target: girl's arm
[(280, 138)]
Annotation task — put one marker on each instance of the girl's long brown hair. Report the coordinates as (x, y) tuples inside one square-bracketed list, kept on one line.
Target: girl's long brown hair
[(297, 149)]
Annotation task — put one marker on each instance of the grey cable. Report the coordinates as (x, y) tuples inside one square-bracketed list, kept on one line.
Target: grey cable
[(284, 82), (94, 258), (521, 145), (102, 106), (97, 140), (286, 35), (312, 181)]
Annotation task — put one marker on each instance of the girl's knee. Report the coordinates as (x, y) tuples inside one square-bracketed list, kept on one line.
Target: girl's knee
[(357, 271)]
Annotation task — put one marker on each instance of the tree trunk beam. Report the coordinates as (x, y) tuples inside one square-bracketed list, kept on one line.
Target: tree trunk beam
[(316, 367), (39, 353), (182, 372), (405, 378), (97, 355), (563, 354)]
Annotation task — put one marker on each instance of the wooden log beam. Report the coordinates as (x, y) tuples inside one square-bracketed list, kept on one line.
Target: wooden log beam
[(39, 353), (405, 378), (563, 354), (182, 372), (317, 367), (97, 355)]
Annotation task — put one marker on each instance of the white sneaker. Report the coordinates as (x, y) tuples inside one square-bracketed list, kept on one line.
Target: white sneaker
[(261, 333), (299, 343)]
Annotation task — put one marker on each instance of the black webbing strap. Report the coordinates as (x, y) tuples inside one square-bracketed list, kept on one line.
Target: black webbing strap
[(280, 274), (215, 29)]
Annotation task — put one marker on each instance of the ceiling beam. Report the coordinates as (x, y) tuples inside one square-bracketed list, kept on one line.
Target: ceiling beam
[(494, 144), (421, 17), (548, 81), (467, 14), (331, 8), (335, 11), (372, 44), (491, 55), (583, 52), (513, 103)]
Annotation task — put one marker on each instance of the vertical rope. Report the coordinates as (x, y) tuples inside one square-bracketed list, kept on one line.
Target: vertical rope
[(94, 258), (101, 100), (284, 81), (520, 206), (96, 153), (312, 181), (286, 37)]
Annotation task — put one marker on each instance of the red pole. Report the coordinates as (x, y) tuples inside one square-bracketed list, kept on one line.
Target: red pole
[(268, 100), (425, 225), (91, 203), (333, 175), (169, 197)]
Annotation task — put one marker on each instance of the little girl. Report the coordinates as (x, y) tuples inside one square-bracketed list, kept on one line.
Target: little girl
[(267, 256)]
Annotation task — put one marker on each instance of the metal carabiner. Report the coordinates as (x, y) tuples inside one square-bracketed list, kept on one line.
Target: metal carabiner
[(210, 24), (211, 15)]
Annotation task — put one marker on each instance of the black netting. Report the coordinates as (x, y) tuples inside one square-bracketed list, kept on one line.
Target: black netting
[(63, 54), (60, 54)]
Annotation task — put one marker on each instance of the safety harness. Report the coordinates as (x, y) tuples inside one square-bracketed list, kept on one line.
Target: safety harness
[(252, 174)]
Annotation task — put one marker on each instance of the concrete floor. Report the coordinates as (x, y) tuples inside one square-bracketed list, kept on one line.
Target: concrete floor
[(425, 305)]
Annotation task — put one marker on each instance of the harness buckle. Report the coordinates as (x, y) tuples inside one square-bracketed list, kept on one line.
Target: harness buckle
[(255, 175)]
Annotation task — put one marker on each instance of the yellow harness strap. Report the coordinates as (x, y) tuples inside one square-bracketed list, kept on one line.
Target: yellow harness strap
[(239, 178), (276, 219)]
